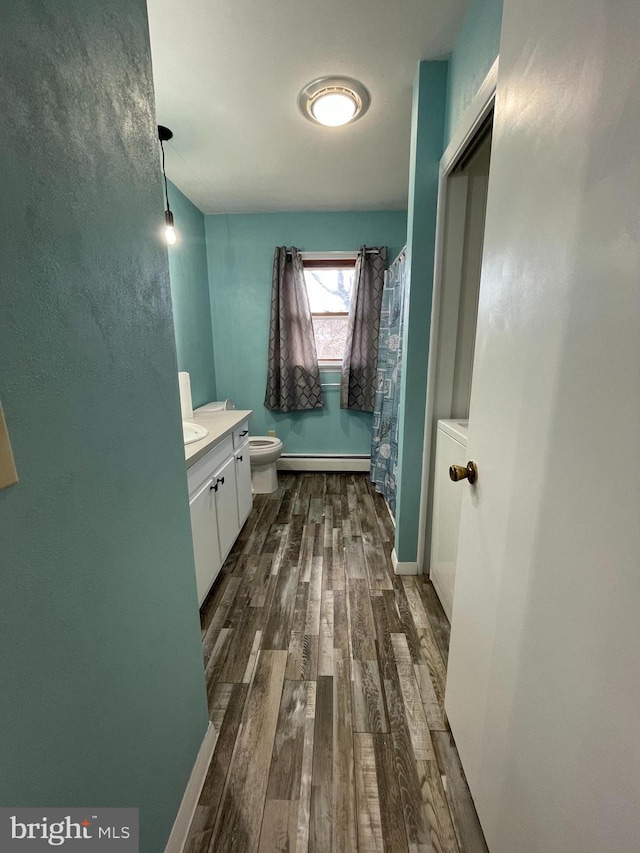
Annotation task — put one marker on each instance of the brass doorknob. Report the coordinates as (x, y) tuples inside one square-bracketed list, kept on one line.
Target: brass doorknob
[(470, 473)]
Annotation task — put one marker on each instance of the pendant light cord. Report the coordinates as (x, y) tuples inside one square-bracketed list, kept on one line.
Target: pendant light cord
[(164, 174)]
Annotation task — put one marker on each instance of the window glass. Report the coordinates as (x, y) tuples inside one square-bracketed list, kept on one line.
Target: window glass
[(331, 335), (329, 289)]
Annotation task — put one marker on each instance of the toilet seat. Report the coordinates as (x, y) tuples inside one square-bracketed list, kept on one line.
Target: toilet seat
[(264, 449)]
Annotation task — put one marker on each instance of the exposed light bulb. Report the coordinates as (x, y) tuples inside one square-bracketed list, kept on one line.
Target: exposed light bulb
[(169, 232)]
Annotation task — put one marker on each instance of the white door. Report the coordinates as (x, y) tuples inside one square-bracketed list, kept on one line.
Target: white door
[(543, 691)]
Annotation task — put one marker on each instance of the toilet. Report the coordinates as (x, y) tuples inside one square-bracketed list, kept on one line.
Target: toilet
[(264, 452)]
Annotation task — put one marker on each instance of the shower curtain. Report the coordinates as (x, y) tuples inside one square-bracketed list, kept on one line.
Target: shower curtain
[(384, 443)]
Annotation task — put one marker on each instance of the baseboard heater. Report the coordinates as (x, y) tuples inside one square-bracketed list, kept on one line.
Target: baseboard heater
[(324, 462)]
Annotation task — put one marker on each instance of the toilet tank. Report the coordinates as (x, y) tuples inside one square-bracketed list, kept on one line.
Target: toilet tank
[(217, 406)]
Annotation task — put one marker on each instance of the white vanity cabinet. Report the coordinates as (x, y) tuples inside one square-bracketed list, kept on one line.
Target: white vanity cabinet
[(204, 529), (219, 501), (243, 472), (226, 499)]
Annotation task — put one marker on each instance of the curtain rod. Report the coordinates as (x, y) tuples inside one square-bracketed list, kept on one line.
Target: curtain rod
[(403, 251), (338, 255)]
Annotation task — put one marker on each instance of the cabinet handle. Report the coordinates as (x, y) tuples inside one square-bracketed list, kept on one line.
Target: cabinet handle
[(220, 480), (239, 458), (244, 432), (214, 487)]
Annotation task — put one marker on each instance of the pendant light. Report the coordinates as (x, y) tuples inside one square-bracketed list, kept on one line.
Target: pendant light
[(164, 135)]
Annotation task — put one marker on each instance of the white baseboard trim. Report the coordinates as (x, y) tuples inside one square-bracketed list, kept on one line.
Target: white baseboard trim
[(187, 809), (403, 568), (344, 464)]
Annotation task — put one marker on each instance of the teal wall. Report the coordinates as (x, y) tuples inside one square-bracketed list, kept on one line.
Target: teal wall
[(240, 255), (442, 92), (103, 699), (473, 55), (190, 297), (427, 132)]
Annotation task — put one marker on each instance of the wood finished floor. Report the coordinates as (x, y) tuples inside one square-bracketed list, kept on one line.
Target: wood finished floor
[(325, 680)]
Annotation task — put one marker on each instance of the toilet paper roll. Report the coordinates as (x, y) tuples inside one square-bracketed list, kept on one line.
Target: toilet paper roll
[(186, 406)]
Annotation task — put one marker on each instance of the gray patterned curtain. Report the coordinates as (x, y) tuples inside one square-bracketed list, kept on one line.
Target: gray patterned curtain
[(359, 366), (293, 375)]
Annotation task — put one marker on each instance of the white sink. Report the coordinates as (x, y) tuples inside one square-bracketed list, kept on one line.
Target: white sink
[(193, 432)]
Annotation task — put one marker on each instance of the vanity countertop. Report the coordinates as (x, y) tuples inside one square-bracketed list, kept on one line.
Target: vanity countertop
[(220, 424)]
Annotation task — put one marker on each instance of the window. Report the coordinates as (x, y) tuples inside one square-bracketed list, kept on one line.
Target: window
[(329, 285)]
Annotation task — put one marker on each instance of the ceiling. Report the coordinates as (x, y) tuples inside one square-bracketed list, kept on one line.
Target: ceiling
[(227, 76)]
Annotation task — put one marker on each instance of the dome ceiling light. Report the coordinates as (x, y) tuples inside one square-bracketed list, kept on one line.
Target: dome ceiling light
[(334, 101)]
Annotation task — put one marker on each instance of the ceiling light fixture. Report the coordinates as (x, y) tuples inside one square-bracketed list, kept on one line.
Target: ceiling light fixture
[(334, 101), (164, 135)]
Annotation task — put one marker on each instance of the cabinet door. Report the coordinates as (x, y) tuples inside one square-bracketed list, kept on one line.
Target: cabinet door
[(227, 506), (243, 481), (204, 529), (447, 500)]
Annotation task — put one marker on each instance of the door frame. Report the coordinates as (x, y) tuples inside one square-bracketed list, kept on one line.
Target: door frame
[(442, 358)]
